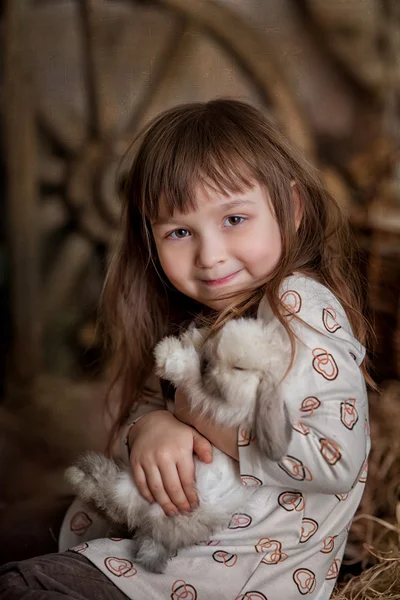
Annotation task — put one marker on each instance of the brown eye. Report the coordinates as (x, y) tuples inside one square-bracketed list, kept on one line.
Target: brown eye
[(178, 234), (234, 220)]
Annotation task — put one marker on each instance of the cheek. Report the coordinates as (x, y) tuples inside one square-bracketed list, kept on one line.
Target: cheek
[(172, 263), (272, 240), (163, 259), (261, 251), (166, 265), (266, 247)]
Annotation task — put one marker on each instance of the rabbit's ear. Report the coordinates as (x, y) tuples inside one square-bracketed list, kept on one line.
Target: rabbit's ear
[(272, 424)]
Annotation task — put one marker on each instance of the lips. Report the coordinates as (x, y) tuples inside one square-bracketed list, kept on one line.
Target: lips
[(221, 281)]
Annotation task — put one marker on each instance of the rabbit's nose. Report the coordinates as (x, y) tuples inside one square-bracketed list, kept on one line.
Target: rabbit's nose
[(203, 366)]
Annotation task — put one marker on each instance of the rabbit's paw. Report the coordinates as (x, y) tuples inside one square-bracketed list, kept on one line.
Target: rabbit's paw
[(173, 359)]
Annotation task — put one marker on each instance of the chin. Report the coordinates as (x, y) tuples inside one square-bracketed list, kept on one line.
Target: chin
[(216, 304)]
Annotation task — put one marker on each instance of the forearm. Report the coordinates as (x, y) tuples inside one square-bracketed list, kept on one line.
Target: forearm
[(151, 400), (224, 438)]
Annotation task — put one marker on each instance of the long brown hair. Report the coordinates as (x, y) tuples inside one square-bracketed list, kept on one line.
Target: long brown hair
[(228, 145)]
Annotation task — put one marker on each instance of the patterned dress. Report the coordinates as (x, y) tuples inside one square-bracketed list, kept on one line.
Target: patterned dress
[(288, 541)]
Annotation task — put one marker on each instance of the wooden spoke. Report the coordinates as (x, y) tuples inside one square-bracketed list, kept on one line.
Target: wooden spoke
[(93, 67), (51, 170), (158, 75), (91, 193), (22, 196), (67, 129), (53, 214), (60, 281)]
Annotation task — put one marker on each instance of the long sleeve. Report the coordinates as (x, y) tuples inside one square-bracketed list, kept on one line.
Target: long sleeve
[(326, 397)]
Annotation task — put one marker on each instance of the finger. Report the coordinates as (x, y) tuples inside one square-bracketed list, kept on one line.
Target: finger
[(202, 447), (173, 487), (157, 489), (141, 483), (186, 475)]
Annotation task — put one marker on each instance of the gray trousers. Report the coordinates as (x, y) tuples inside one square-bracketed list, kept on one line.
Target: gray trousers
[(56, 577)]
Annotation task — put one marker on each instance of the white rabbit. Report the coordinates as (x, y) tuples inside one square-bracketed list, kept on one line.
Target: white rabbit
[(231, 377)]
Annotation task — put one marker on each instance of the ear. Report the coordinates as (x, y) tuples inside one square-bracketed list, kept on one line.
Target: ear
[(272, 424), (298, 203)]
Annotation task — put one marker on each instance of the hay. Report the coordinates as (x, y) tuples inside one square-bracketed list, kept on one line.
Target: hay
[(374, 539), (382, 580)]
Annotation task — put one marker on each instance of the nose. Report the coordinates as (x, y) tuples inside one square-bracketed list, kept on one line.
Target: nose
[(210, 251)]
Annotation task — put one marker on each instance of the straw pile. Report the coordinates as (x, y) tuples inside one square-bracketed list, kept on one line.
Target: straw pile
[(373, 548)]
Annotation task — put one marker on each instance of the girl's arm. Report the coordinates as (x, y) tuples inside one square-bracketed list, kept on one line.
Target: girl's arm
[(223, 438), (152, 399), (159, 449)]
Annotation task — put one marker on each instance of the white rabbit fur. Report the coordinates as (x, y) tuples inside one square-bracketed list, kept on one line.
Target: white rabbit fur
[(233, 378)]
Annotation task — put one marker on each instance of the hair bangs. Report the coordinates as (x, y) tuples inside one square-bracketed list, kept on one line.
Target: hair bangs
[(198, 151)]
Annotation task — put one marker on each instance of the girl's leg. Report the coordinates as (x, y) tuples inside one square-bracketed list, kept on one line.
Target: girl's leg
[(56, 577)]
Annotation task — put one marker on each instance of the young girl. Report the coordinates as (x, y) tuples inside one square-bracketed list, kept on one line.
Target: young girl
[(223, 218)]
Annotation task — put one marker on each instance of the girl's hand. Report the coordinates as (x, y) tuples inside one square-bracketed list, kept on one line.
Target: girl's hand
[(162, 460)]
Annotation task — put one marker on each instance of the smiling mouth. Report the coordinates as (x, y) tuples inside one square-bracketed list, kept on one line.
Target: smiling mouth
[(222, 281)]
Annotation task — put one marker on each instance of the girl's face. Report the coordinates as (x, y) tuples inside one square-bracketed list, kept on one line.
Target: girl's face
[(223, 246)]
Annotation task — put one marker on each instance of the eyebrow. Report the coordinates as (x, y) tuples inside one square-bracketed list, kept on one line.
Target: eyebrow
[(222, 207)]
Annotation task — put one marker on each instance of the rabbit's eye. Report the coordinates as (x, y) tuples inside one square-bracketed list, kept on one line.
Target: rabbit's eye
[(238, 368)]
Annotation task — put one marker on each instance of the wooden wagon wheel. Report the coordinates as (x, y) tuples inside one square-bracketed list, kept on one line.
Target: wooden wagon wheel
[(94, 151), (86, 167)]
